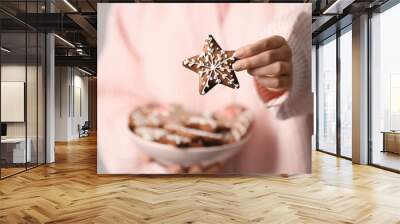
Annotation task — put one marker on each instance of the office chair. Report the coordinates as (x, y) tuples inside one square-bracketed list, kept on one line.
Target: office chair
[(84, 130)]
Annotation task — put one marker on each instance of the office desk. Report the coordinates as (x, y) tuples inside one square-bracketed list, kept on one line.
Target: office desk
[(13, 150), (391, 141)]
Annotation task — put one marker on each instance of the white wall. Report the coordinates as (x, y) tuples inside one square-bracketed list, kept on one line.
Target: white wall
[(70, 83), (12, 73), (79, 103), (62, 82), (16, 73)]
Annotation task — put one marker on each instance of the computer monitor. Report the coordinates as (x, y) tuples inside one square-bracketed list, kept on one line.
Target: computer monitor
[(3, 129)]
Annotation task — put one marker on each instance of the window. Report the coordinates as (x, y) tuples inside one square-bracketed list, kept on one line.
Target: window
[(334, 66), (385, 89), (346, 92), (326, 137)]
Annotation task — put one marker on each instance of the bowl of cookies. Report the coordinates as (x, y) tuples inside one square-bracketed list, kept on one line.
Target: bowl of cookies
[(173, 135)]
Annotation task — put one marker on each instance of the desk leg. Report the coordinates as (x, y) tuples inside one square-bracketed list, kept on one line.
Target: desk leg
[(384, 142)]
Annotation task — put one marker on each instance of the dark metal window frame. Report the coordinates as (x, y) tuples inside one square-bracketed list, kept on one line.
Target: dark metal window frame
[(381, 9), (337, 35), (44, 77), (389, 4)]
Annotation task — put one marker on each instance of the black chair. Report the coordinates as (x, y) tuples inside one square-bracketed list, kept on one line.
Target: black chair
[(84, 130)]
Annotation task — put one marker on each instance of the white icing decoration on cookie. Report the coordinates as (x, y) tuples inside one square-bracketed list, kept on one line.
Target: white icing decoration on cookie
[(214, 64), (202, 121), (177, 139), (150, 134)]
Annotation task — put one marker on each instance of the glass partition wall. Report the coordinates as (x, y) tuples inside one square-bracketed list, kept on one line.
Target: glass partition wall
[(13, 89), (22, 91), (334, 94)]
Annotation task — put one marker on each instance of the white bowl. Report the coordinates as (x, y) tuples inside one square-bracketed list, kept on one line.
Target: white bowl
[(170, 155)]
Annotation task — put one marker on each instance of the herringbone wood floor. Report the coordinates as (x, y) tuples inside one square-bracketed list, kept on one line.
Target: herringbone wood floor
[(69, 191)]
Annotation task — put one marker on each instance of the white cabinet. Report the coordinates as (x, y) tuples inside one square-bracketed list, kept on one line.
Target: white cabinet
[(17, 145)]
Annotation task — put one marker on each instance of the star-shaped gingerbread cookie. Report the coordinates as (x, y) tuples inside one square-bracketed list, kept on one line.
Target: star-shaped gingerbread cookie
[(214, 66)]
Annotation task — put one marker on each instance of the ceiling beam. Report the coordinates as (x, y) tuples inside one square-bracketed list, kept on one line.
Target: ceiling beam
[(337, 7), (320, 22), (84, 24), (83, 61)]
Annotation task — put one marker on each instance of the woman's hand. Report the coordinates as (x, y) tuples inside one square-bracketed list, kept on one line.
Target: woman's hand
[(194, 169), (269, 60)]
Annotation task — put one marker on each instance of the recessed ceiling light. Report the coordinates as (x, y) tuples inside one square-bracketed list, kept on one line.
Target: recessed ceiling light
[(5, 50), (84, 71), (337, 7), (64, 40), (70, 5)]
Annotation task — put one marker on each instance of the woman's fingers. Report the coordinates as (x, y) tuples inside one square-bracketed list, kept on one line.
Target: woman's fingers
[(277, 83), (176, 168), (259, 46), (213, 168), (269, 60), (195, 169), (262, 59), (274, 69)]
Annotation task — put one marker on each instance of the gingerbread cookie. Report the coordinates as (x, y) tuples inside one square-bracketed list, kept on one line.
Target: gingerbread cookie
[(176, 126), (154, 115), (197, 136), (227, 116), (139, 119), (214, 66), (150, 134), (201, 123), (240, 127), (175, 140)]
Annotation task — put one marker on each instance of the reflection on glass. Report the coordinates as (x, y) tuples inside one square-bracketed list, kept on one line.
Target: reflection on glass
[(394, 102), (14, 153), (327, 96), (22, 90), (346, 94), (41, 98), (31, 100), (385, 84)]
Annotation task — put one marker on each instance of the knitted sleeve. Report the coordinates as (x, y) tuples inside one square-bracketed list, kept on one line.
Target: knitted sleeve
[(298, 99)]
